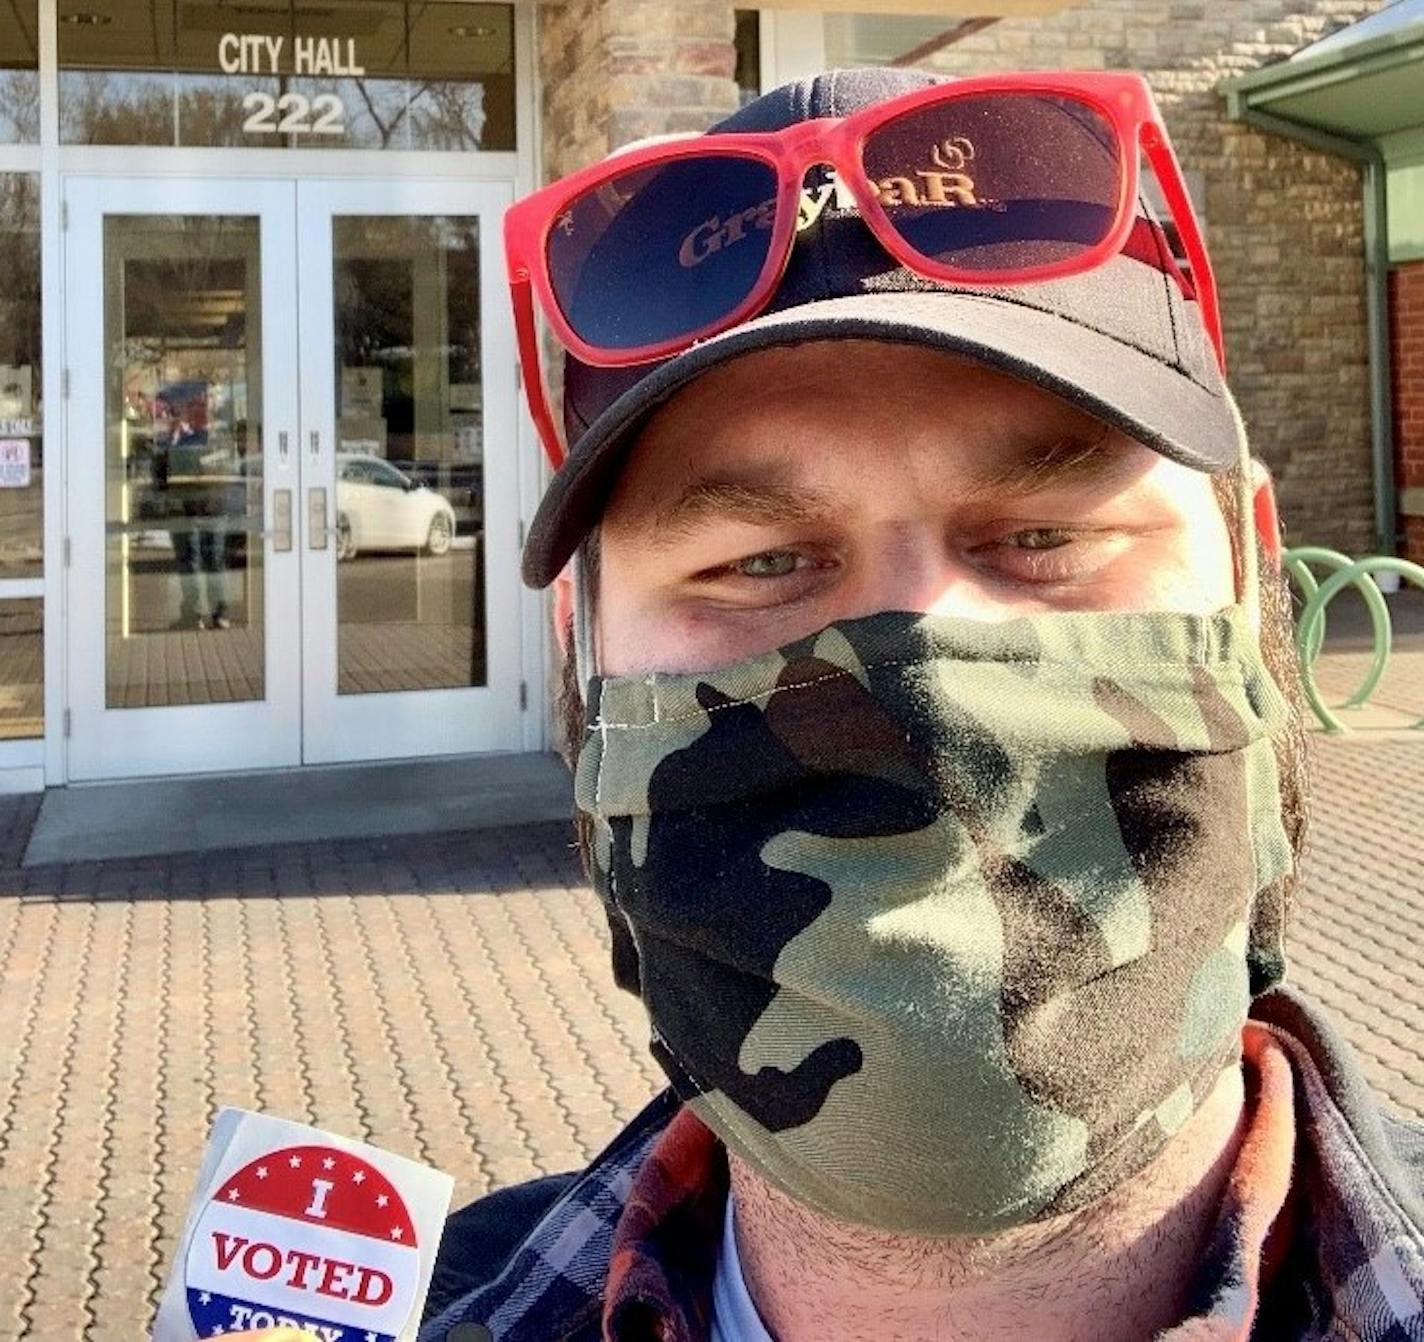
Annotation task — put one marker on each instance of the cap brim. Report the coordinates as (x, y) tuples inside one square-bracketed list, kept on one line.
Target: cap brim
[(1153, 401)]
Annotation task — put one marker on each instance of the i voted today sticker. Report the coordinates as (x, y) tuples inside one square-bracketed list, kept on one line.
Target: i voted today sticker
[(296, 1227), (254, 1258)]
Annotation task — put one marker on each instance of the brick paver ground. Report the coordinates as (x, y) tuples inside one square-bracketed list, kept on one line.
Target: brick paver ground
[(445, 997), (448, 997)]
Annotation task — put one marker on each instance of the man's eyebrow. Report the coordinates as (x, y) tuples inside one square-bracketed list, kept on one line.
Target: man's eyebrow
[(773, 499), (1057, 463), (764, 502)]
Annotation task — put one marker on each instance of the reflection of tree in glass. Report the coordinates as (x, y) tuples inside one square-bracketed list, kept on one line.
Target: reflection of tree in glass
[(112, 107), (211, 111), (20, 265), (19, 107), (104, 107), (401, 114), (387, 120), (99, 107), (451, 117)]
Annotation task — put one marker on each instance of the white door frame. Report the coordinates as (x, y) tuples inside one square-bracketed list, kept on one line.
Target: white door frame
[(130, 742), (393, 725), (26, 765)]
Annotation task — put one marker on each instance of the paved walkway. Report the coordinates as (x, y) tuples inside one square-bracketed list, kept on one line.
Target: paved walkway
[(447, 996)]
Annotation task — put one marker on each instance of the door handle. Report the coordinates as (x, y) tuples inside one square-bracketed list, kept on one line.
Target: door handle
[(316, 517), (281, 520)]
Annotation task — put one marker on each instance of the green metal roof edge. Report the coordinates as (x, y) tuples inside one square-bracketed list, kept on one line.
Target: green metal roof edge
[(1296, 75)]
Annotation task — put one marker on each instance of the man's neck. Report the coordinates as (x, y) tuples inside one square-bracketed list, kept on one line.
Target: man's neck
[(1120, 1268)]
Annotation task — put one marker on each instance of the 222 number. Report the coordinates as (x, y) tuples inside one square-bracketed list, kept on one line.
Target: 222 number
[(292, 114)]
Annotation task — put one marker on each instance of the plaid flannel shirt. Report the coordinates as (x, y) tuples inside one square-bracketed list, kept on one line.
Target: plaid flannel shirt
[(1323, 1243)]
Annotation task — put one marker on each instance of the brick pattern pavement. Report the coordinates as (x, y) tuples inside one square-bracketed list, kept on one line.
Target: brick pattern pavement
[(446, 997), (1398, 700), (1356, 940)]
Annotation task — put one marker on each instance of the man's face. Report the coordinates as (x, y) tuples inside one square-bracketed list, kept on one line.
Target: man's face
[(795, 487)]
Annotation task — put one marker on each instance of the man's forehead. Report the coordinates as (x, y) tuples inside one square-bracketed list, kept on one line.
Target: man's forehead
[(1019, 456), (786, 430), (916, 389)]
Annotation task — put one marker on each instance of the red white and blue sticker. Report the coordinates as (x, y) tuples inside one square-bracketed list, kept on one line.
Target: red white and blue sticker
[(310, 1236)]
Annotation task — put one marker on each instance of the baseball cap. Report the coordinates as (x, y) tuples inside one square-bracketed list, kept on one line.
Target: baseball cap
[(1123, 342)]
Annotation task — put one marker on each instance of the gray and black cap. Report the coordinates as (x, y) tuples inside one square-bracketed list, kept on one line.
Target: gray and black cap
[(1123, 342)]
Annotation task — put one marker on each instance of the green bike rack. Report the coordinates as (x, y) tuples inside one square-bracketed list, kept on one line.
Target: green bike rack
[(1311, 628), (1310, 631)]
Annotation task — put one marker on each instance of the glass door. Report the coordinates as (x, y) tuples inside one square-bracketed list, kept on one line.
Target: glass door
[(289, 542), (181, 431), (411, 638)]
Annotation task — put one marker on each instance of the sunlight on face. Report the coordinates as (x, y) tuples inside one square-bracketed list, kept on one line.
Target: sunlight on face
[(795, 487)]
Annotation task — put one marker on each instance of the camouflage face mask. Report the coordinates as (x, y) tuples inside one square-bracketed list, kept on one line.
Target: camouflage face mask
[(946, 926)]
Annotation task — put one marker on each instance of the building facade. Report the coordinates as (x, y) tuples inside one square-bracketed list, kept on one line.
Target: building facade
[(264, 466)]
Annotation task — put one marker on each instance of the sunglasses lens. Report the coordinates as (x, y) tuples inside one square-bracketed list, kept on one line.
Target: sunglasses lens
[(662, 251), (998, 181)]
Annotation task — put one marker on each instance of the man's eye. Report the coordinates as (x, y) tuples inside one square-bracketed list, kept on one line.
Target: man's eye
[(1046, 554), (1041, 538), (770, 564)]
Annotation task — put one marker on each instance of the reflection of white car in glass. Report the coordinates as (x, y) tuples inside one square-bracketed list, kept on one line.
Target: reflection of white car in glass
[(381, 508)]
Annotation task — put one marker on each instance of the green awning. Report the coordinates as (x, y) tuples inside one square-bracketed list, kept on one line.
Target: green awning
[(1362, 83)]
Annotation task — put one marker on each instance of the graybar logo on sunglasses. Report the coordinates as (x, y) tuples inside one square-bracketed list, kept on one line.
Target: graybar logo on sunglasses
[(946, 184)]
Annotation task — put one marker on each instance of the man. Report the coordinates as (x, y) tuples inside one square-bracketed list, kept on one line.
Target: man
[(934, 767), (195, 488)]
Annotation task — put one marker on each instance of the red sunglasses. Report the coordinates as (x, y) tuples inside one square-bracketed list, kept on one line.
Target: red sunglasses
[(999, 180)]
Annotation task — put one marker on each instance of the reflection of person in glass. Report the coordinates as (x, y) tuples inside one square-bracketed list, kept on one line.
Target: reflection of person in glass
[(192, 479)]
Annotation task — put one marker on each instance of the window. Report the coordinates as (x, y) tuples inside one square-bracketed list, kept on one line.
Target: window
[(21, 669), (386, 476), (357, 473), (21, 440), (365, 74), (1406, 209)]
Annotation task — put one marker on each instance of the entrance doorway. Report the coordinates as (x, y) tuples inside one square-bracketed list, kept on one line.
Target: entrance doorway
[(289, 543)]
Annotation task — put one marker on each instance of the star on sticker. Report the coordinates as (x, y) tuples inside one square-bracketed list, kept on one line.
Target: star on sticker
[(205, 1299), (262, 1171), (370, 1337), (218, 1329), (359, 1177), (233, 1195), (382, 1200), (328, 1164), (395, 1232), (295, 1162)]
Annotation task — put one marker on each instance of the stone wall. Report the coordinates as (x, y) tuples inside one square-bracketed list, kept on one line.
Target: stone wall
[(1284, 226), (1406, 312), (613, 71), (573, 82)]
